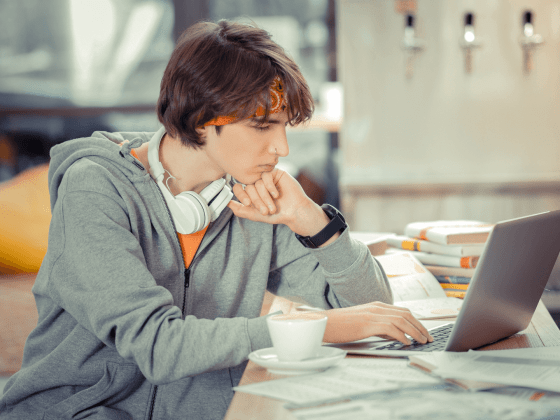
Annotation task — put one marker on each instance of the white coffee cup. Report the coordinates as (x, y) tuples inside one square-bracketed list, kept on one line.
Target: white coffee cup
[(296, 339)]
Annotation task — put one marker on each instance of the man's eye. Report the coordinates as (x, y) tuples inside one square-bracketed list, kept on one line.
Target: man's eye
[(262, 128)]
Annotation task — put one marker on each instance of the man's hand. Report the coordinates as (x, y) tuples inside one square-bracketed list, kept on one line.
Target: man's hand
[(362, 321), (278, 198)]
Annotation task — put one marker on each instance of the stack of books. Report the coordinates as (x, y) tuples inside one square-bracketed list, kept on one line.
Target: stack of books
[(449, 249)]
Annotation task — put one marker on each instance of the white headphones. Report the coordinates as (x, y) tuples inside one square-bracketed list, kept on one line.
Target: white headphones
[(191, 212)]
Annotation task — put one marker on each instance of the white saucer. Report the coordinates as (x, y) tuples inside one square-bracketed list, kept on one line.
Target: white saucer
[(328, 356)]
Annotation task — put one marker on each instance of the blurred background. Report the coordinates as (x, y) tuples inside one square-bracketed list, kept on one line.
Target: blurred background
[(426, 109), (71, 67)]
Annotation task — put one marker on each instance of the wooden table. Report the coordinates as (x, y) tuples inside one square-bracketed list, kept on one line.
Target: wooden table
[(542, 332)]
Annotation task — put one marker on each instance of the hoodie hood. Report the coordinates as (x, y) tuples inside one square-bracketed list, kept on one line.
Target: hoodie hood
[(101, 146)]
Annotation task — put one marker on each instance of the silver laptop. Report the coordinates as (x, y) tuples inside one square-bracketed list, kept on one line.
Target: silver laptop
[(504, 292)]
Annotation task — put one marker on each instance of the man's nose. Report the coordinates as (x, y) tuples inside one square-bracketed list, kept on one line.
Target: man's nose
[(280, 145)]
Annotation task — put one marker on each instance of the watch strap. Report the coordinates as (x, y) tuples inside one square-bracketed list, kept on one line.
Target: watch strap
[(337, 224)]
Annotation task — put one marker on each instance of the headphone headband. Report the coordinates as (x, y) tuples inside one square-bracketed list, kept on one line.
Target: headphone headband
[(156, 168)]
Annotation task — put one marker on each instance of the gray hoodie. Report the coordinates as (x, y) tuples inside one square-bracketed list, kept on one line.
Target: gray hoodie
[(124, 330)]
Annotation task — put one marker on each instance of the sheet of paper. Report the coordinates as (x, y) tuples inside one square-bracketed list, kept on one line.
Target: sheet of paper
[(408, 278), (533, 368), (430, 404), (357, 410), (415, 287), (433, 308), (551, 353), (429, 361), (334, 384), (396, 370), (350, 377), (399, 264), (529, 394)]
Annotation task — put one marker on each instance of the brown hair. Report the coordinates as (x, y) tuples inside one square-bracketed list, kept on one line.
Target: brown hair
[(226, 68)]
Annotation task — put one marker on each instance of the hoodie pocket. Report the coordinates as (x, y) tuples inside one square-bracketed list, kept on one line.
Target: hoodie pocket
[(117, 383)]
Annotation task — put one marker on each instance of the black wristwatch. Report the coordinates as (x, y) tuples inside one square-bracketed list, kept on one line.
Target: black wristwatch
[(337, 224)]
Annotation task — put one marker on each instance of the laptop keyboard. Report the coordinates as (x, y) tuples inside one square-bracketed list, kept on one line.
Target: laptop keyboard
[(440, 335)]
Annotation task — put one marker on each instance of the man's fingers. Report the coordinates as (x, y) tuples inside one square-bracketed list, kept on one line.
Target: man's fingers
[(406, 314), (265, 196), (245, 212), (418, 325), (268, 180), (237, 208), (385, 308), (409, 328), (386, 325), (241, 194), (395, 327), (387, 328), (256, 199), (261, 194)]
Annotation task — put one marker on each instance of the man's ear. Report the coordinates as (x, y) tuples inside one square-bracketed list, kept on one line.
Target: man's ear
[(202, 132)]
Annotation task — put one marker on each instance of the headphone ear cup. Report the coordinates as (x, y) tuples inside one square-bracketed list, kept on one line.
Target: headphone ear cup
[(194, 210), (213, 189), (190, 212), (220, 202), (218, 194)]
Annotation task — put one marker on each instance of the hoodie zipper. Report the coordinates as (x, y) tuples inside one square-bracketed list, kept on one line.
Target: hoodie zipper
[(186, 275), (138, 165), (187, 281), (134, 161), (153, 403)]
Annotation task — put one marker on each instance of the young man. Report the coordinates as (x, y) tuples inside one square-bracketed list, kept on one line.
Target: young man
[(150, 293)]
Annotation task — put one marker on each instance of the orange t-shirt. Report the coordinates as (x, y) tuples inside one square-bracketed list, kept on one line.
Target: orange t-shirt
[(189, 242)]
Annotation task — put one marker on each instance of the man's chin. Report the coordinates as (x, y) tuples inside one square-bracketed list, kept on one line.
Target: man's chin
[(248, 179)]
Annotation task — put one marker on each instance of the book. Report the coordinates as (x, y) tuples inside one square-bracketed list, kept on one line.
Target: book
[(408, 278), (446, 260), (460, 294), (376, 242), (453, 279), (412, 244), (439, 270), (451, 286), (449, 232), (414, 287)]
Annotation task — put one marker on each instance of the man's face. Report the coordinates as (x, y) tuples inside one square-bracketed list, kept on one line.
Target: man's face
[(246, 149)]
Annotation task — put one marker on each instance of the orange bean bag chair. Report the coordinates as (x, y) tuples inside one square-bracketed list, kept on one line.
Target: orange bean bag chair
[(25, 215), (18, 317)]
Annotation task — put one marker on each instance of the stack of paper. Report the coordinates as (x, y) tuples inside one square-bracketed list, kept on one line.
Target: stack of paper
[(434, 404), (530, 367), (349, 378)]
